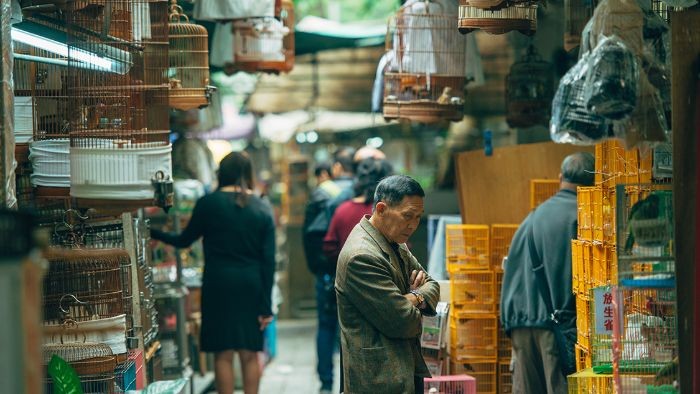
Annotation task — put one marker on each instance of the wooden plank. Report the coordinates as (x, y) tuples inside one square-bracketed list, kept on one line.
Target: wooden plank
[(496, 189), (685, 53)]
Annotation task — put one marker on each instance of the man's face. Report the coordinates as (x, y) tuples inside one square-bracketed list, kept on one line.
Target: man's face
[(400, 221)]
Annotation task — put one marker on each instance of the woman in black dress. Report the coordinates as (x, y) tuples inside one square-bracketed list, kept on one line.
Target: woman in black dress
[(239, 255)]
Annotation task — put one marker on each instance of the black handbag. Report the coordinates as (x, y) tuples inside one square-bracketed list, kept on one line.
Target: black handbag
[(561, 322)]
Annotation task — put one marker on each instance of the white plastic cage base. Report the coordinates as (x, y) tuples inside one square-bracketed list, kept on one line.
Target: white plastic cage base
[(117, 174), (50, 163)]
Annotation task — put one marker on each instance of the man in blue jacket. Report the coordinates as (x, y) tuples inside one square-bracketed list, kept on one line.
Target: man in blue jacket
[(543, 243)]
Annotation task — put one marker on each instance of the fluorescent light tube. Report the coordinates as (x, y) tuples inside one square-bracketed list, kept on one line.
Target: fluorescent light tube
[(76, 56)]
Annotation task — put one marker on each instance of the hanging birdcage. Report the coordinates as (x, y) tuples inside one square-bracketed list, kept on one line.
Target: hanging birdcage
[(576, 15), (118, 84), (425, 78), (529, 91), (189, 61), (265, 44), (511, 16), (40, 106)]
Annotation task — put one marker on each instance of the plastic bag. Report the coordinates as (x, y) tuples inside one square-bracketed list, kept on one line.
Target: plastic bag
[(612, 77), (571, 122), (621, 18), (647, 124)]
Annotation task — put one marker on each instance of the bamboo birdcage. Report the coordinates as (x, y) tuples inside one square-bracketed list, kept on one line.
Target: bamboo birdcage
[(119, 131), (514, 16), (426, 77), (266, 44), (529, 91), (576, 15), (188, 56)]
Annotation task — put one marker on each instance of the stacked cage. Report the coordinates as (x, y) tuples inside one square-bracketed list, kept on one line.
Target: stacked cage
[(425, 79), (478, 345), (498, 16), (541, 190), (645, 334), (87, 318), (529, 90), (595, 269), (118, 90), (265, 43)]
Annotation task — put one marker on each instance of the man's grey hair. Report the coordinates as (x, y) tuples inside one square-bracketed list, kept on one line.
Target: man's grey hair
[(392, 190), (579, 169)]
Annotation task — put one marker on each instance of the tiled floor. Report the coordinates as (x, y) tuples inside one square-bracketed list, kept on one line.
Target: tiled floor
[(293, 371)]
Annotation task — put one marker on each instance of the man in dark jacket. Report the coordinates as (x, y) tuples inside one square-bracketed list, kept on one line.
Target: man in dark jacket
[(543, 242), (316, 220)]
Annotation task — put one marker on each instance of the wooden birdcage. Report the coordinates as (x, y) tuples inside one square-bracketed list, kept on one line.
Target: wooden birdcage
[(426, 76), (511, 16), (40, 108), (188, 56), (118, 85), (529, 91), (265, 44), (576, 15)]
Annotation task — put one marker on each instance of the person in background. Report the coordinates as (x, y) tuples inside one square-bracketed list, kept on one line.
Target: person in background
[(537, 285), (383, 293), (367, 175), (330, 181), (239, 265), (348, 191)]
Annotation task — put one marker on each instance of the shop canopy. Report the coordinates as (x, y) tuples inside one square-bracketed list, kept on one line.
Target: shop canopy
[(314, 34)]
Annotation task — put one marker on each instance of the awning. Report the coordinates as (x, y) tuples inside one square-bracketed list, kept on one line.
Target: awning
[(314, 34)]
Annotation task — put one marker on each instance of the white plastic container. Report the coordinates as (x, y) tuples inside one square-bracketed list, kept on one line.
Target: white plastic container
[(24, 119), (50, 163), (117, 173)]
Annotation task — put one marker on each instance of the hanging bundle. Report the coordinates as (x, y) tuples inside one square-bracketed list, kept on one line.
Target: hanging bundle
[(188, 56), (508, 16), (426, 70), (529, 91)]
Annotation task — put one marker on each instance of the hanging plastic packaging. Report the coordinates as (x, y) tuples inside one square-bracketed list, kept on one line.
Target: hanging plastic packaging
[(571, 122), (621, 18), (8, 163), (611, 80)]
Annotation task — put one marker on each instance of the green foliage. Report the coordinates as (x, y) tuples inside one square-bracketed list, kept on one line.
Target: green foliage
[(65, 380)]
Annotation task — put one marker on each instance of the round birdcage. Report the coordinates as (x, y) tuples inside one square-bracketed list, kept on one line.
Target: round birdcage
[(576, 15), (425, 78), (512, 16), (265, 44), (529, 90), (188, 56), (119, 92)]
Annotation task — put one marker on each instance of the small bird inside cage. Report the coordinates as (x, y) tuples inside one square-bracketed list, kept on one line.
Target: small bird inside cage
[(445, 96)]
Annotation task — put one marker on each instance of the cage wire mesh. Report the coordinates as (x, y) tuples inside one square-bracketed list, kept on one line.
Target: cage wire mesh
[(576, 15), (529, 90), (645, 339), (188, 56), (266, 44), (453, 384), (426, 77), (118, 85), (474, 336)]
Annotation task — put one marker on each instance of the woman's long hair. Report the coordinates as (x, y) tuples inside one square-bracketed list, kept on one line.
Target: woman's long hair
[(369, 173), (236, 170)]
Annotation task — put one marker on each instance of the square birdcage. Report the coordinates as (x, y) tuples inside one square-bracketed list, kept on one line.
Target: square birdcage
[(645, 338), (541, 190), (473, 336), (600, 323), (265, 43), (485, 371), (473, 292), (645, 235), (118, 88), (501, 236), (426, 73), (452, 384), (467, 247)]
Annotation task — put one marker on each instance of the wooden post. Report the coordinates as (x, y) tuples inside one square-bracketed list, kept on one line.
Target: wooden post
[(130, 246), (685, 52)]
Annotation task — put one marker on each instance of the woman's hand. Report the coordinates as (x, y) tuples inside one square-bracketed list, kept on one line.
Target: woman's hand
[(264, 321)]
